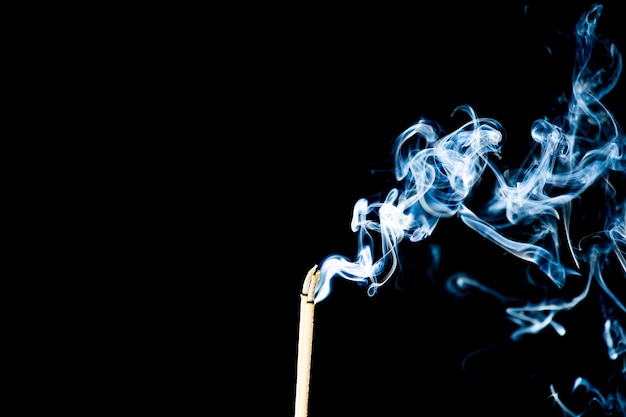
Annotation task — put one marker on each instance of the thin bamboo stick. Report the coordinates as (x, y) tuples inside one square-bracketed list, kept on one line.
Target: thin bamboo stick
[(305, 342)]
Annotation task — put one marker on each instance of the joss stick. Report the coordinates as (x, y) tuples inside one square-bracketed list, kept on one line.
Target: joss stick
[(305, 342)]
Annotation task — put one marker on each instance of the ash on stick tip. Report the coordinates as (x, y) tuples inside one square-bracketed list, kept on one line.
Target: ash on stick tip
[(310, 281), (312, 286)]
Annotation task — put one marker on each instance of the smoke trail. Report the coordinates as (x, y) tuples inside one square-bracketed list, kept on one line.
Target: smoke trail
[(532, 208), (438, 174)]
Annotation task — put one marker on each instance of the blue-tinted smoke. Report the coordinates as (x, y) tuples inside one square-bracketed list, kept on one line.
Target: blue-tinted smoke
[(534, 211)]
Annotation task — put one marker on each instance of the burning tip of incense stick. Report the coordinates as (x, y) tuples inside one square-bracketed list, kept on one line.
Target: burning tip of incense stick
[(310, 281), (312, 285)]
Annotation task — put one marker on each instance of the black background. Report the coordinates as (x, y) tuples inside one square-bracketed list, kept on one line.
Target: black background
[(319, 94), (229, 144)]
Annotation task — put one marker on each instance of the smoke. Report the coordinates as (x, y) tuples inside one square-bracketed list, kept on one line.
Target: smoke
[(544, 212)]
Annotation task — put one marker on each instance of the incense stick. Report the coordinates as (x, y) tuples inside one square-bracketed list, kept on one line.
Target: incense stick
[(305, 342)]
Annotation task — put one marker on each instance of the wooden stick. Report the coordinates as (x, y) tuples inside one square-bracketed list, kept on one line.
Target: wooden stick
[(305, 342)]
